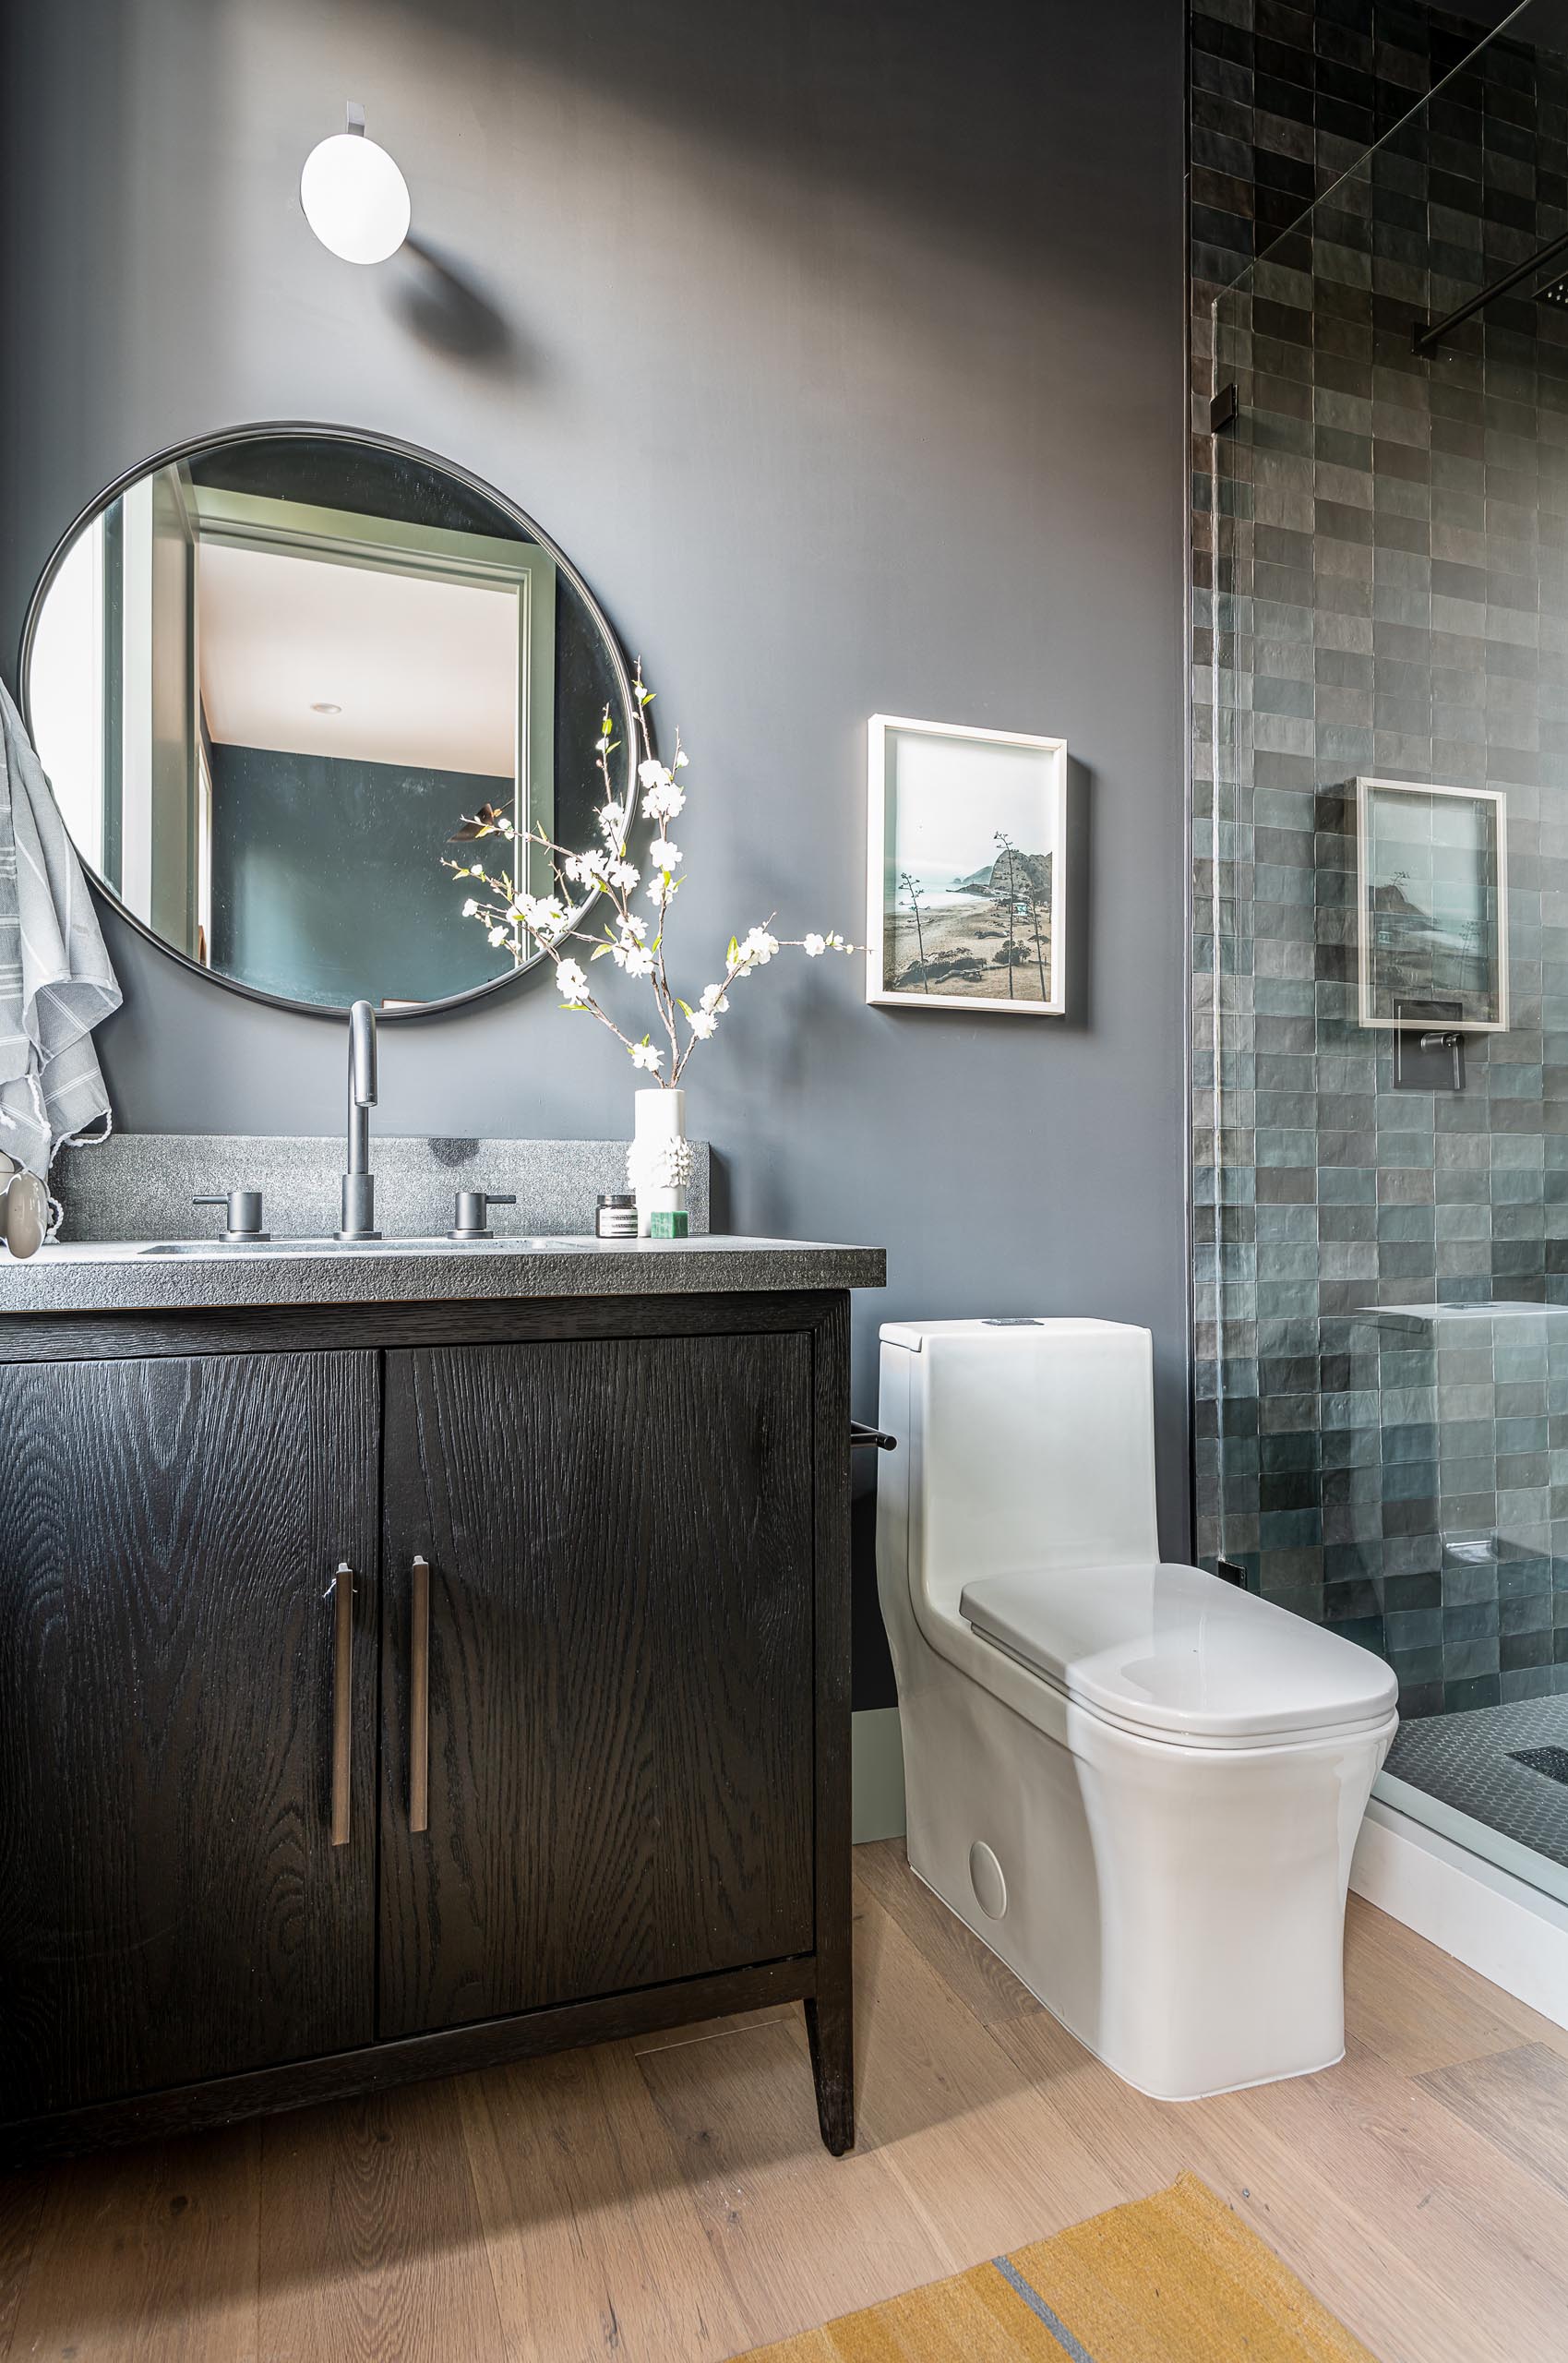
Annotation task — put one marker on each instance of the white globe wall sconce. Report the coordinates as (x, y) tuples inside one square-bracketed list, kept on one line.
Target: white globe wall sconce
[(354, 198)]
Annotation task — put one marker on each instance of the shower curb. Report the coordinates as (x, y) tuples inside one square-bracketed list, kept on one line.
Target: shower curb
[(1485, 1917)]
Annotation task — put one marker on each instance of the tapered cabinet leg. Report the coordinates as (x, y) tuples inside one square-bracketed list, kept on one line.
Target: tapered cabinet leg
[(830, 2013), (830, 2029)]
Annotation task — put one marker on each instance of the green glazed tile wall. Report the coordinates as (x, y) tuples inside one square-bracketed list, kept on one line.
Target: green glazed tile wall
[(1380, 586)]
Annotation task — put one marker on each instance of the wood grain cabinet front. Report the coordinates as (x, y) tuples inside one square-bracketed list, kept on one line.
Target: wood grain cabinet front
[(367, 1712), (172, 1906), (617, 1745)]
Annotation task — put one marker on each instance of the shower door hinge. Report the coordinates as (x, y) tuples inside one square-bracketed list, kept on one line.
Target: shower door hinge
[(1223, 410)]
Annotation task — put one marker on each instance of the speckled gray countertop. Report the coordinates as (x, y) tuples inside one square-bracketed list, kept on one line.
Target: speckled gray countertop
[(106, 1277), (126, 1245)]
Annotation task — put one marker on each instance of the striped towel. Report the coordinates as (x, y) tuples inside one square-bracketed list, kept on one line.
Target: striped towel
[(55, 981)]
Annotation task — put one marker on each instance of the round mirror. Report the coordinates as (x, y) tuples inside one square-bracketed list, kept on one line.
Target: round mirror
[(284, 683)]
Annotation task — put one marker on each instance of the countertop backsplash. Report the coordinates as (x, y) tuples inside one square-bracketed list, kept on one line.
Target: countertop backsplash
[(140, 1185)]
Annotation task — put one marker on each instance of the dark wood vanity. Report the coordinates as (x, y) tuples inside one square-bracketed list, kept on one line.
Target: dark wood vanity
[(419, 1646), (391, 1689)]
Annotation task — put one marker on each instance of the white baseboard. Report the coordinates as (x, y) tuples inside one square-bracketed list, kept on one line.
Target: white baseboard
[(876, 1756), (1485, 1917)]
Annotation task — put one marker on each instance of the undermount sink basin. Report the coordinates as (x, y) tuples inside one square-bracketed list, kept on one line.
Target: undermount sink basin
[(511, 1245)]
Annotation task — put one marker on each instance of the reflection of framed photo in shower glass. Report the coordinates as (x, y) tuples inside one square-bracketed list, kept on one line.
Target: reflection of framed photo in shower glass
[(1431, 903), (965, 847)]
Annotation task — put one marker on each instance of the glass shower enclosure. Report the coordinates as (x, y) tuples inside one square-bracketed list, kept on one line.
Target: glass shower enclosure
[(1381, 939)]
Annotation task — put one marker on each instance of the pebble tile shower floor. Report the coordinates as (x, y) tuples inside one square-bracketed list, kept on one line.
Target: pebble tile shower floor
[(1472, 1762)]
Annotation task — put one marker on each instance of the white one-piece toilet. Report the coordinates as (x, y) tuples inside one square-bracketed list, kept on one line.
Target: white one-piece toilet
[(1140, 1785)]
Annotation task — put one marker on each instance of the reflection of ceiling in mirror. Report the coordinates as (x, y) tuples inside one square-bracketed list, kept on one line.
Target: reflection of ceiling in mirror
[(425, 672)]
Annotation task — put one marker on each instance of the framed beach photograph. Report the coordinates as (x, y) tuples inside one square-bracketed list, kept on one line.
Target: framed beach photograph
[(1431, 903), (965, 853)]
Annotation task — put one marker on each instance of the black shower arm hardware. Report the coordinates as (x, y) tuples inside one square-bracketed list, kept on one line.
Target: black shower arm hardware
[(861, 1438), (1426, 340)]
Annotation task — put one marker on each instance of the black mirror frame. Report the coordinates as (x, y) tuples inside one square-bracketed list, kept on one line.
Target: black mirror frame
[(280, 430)]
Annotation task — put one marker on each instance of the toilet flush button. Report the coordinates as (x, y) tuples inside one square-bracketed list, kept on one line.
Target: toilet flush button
[(985, 1878)]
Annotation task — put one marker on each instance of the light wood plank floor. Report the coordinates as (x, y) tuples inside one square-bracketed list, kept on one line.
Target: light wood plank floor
[(669, 2201)]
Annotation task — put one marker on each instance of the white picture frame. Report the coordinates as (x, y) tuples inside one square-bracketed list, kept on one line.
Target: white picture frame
[(1431, 904), (965, 862)]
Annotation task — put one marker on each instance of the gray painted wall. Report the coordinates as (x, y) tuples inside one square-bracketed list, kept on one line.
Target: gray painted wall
[(842, 347)]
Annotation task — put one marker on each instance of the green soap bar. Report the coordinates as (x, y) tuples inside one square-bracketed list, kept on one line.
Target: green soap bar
[(670, 1226)]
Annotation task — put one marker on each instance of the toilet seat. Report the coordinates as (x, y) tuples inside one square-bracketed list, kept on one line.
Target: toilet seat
[(1173, 1654)]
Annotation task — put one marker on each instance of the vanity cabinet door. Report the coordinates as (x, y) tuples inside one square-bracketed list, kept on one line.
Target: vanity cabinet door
[(172, 1904), (617, 1547)]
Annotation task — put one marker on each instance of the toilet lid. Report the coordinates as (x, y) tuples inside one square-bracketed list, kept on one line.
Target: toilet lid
[(1180, 1654)]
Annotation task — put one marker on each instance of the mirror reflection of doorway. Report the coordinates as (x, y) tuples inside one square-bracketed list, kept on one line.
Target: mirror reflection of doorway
[(271, 677), (365, 685), (295, 708)]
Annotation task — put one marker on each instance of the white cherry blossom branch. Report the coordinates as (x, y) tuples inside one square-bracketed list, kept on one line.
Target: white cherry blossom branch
[(514, 917)]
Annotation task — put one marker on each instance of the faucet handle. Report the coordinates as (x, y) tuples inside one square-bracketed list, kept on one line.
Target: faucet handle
[(471, 1212), (242, 1219)]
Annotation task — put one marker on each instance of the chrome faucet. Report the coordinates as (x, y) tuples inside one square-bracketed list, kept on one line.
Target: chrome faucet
[(359, 1183)]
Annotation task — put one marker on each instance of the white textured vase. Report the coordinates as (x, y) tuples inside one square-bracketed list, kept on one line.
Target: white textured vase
[(659, 1162)]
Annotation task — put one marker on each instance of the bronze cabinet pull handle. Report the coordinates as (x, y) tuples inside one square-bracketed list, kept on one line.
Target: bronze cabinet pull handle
[(342, 1699), (419, 1697)]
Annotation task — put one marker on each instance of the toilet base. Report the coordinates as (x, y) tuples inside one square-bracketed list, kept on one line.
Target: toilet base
[(1180, 1911), (1255, 2084)]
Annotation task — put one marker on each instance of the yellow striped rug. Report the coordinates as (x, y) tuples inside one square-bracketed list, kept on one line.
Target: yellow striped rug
[(1173, 2279)]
